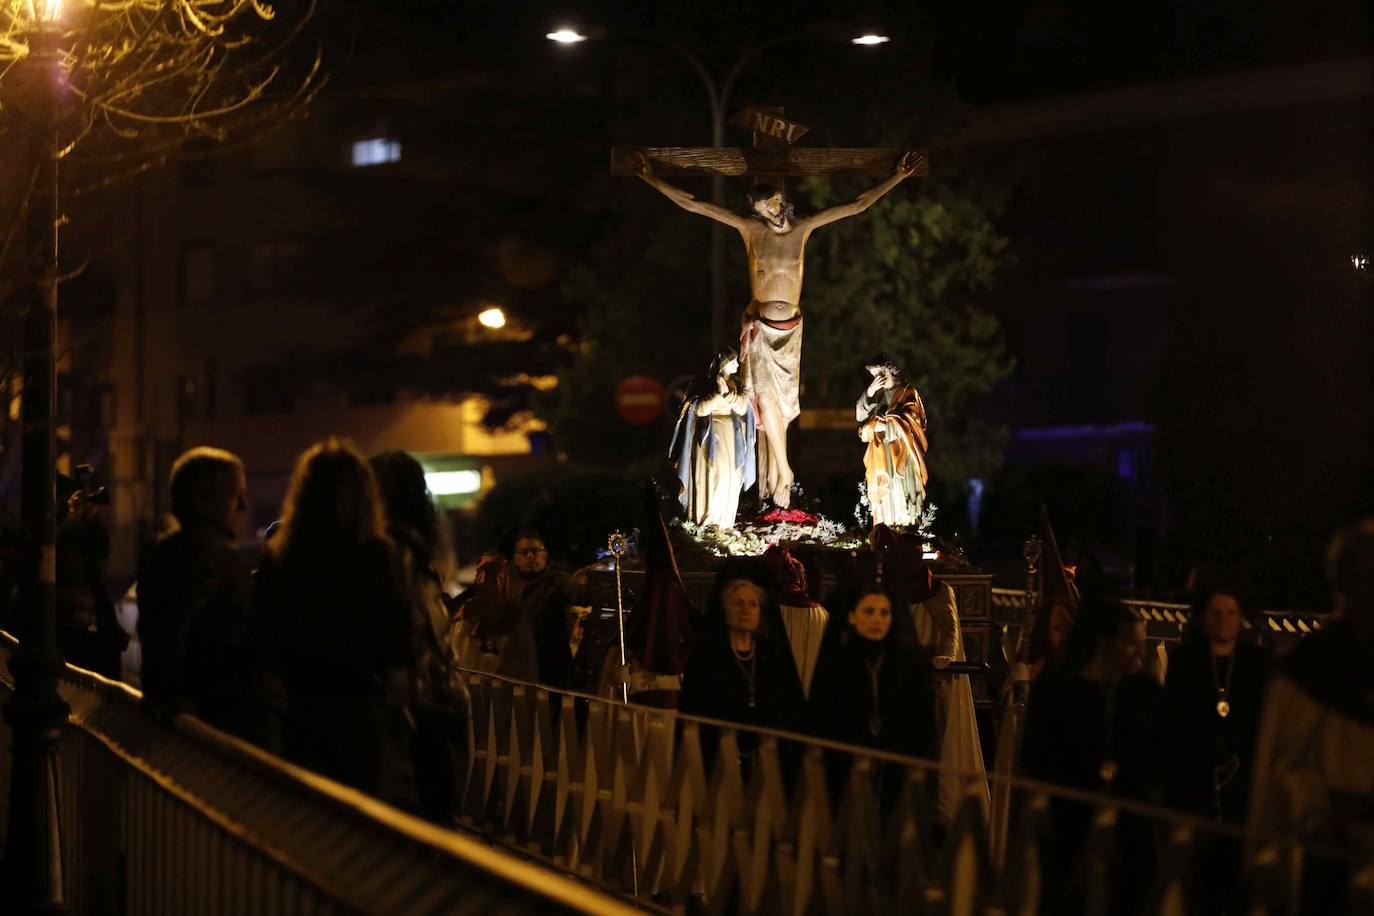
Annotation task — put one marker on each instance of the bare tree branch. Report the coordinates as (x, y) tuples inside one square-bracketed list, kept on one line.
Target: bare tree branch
[(142, 78)]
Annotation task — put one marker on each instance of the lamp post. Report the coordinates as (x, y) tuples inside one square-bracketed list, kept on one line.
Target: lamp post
[(32, 879), (718, 98)]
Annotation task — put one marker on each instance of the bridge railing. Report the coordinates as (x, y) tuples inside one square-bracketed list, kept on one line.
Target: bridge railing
[(185, 819), (1166, 620), (686, 813)]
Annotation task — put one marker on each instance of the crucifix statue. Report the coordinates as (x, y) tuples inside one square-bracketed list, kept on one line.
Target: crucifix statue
[(775, 242)]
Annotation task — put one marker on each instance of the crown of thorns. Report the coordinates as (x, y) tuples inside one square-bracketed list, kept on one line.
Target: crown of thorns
[(882, 362)]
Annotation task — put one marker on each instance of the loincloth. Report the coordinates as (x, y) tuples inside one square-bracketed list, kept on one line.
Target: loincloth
[(770, 355)]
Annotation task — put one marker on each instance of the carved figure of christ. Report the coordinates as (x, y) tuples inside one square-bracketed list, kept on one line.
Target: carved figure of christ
[(770, 345)]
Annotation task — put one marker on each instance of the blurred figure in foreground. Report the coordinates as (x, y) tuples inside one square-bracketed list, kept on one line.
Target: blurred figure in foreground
[(1097, 724), (193, 601), (438, 697), (1314, 763), (334, 623)]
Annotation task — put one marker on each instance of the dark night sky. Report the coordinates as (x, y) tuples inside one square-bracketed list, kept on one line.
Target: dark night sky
[(988, 50)]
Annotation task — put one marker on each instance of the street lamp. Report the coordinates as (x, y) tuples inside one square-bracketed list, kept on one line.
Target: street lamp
[(493, 318), (718, 97), (32, 880), (566, 36)]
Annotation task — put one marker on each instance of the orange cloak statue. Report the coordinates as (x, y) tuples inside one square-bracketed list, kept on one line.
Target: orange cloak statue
[(892, 420)]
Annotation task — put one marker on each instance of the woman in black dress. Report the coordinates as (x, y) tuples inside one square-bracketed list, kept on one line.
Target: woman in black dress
[(1214, 689), (741, 667), (873, 689), (1097, 724), (1215, 686)]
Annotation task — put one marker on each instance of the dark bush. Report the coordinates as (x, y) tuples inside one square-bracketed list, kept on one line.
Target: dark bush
[(575, 509)]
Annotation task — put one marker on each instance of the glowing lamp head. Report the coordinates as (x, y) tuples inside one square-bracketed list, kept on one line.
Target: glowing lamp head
[(566, 36), (42, 12), (870, 39), (492, 318)]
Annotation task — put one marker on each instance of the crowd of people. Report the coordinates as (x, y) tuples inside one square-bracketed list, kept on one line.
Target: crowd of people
[(343, 653), (1226, 732)]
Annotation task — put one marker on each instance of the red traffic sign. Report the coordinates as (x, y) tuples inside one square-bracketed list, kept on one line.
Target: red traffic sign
[(639, 399)]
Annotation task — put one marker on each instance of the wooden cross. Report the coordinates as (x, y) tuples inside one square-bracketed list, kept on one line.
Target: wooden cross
[(772, 157)]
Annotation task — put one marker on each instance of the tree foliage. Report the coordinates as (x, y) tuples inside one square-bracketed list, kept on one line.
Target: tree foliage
[(902, 281), (643, 300)]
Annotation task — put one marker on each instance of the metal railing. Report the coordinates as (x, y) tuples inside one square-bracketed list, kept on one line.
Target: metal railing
[(600, 807), (1167, 619), (185, 819), (667, 809)]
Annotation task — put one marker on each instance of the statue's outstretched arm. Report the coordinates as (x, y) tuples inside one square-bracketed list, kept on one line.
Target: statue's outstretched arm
[(687, 201), (906, 167)]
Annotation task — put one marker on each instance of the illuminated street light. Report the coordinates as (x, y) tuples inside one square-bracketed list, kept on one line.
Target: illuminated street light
[(870, 39), (566, 36), (492, 318), (41, 11)]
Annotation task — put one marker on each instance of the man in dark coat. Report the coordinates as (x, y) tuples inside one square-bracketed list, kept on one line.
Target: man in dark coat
[(541, 591), (194, 595)]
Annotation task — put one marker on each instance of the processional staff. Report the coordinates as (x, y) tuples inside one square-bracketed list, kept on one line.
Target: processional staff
[(618, 545), (1031, 552)]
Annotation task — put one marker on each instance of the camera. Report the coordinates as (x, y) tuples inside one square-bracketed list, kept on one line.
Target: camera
[(84, 476)]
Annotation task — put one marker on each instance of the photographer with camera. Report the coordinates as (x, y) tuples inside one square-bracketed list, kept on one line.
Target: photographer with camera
[(88, 633)]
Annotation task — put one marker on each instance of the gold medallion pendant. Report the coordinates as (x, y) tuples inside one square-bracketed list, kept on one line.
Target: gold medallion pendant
[(1223, 708)]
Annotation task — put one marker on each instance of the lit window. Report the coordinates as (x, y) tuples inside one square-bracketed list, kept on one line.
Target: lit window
[(376, 151)]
